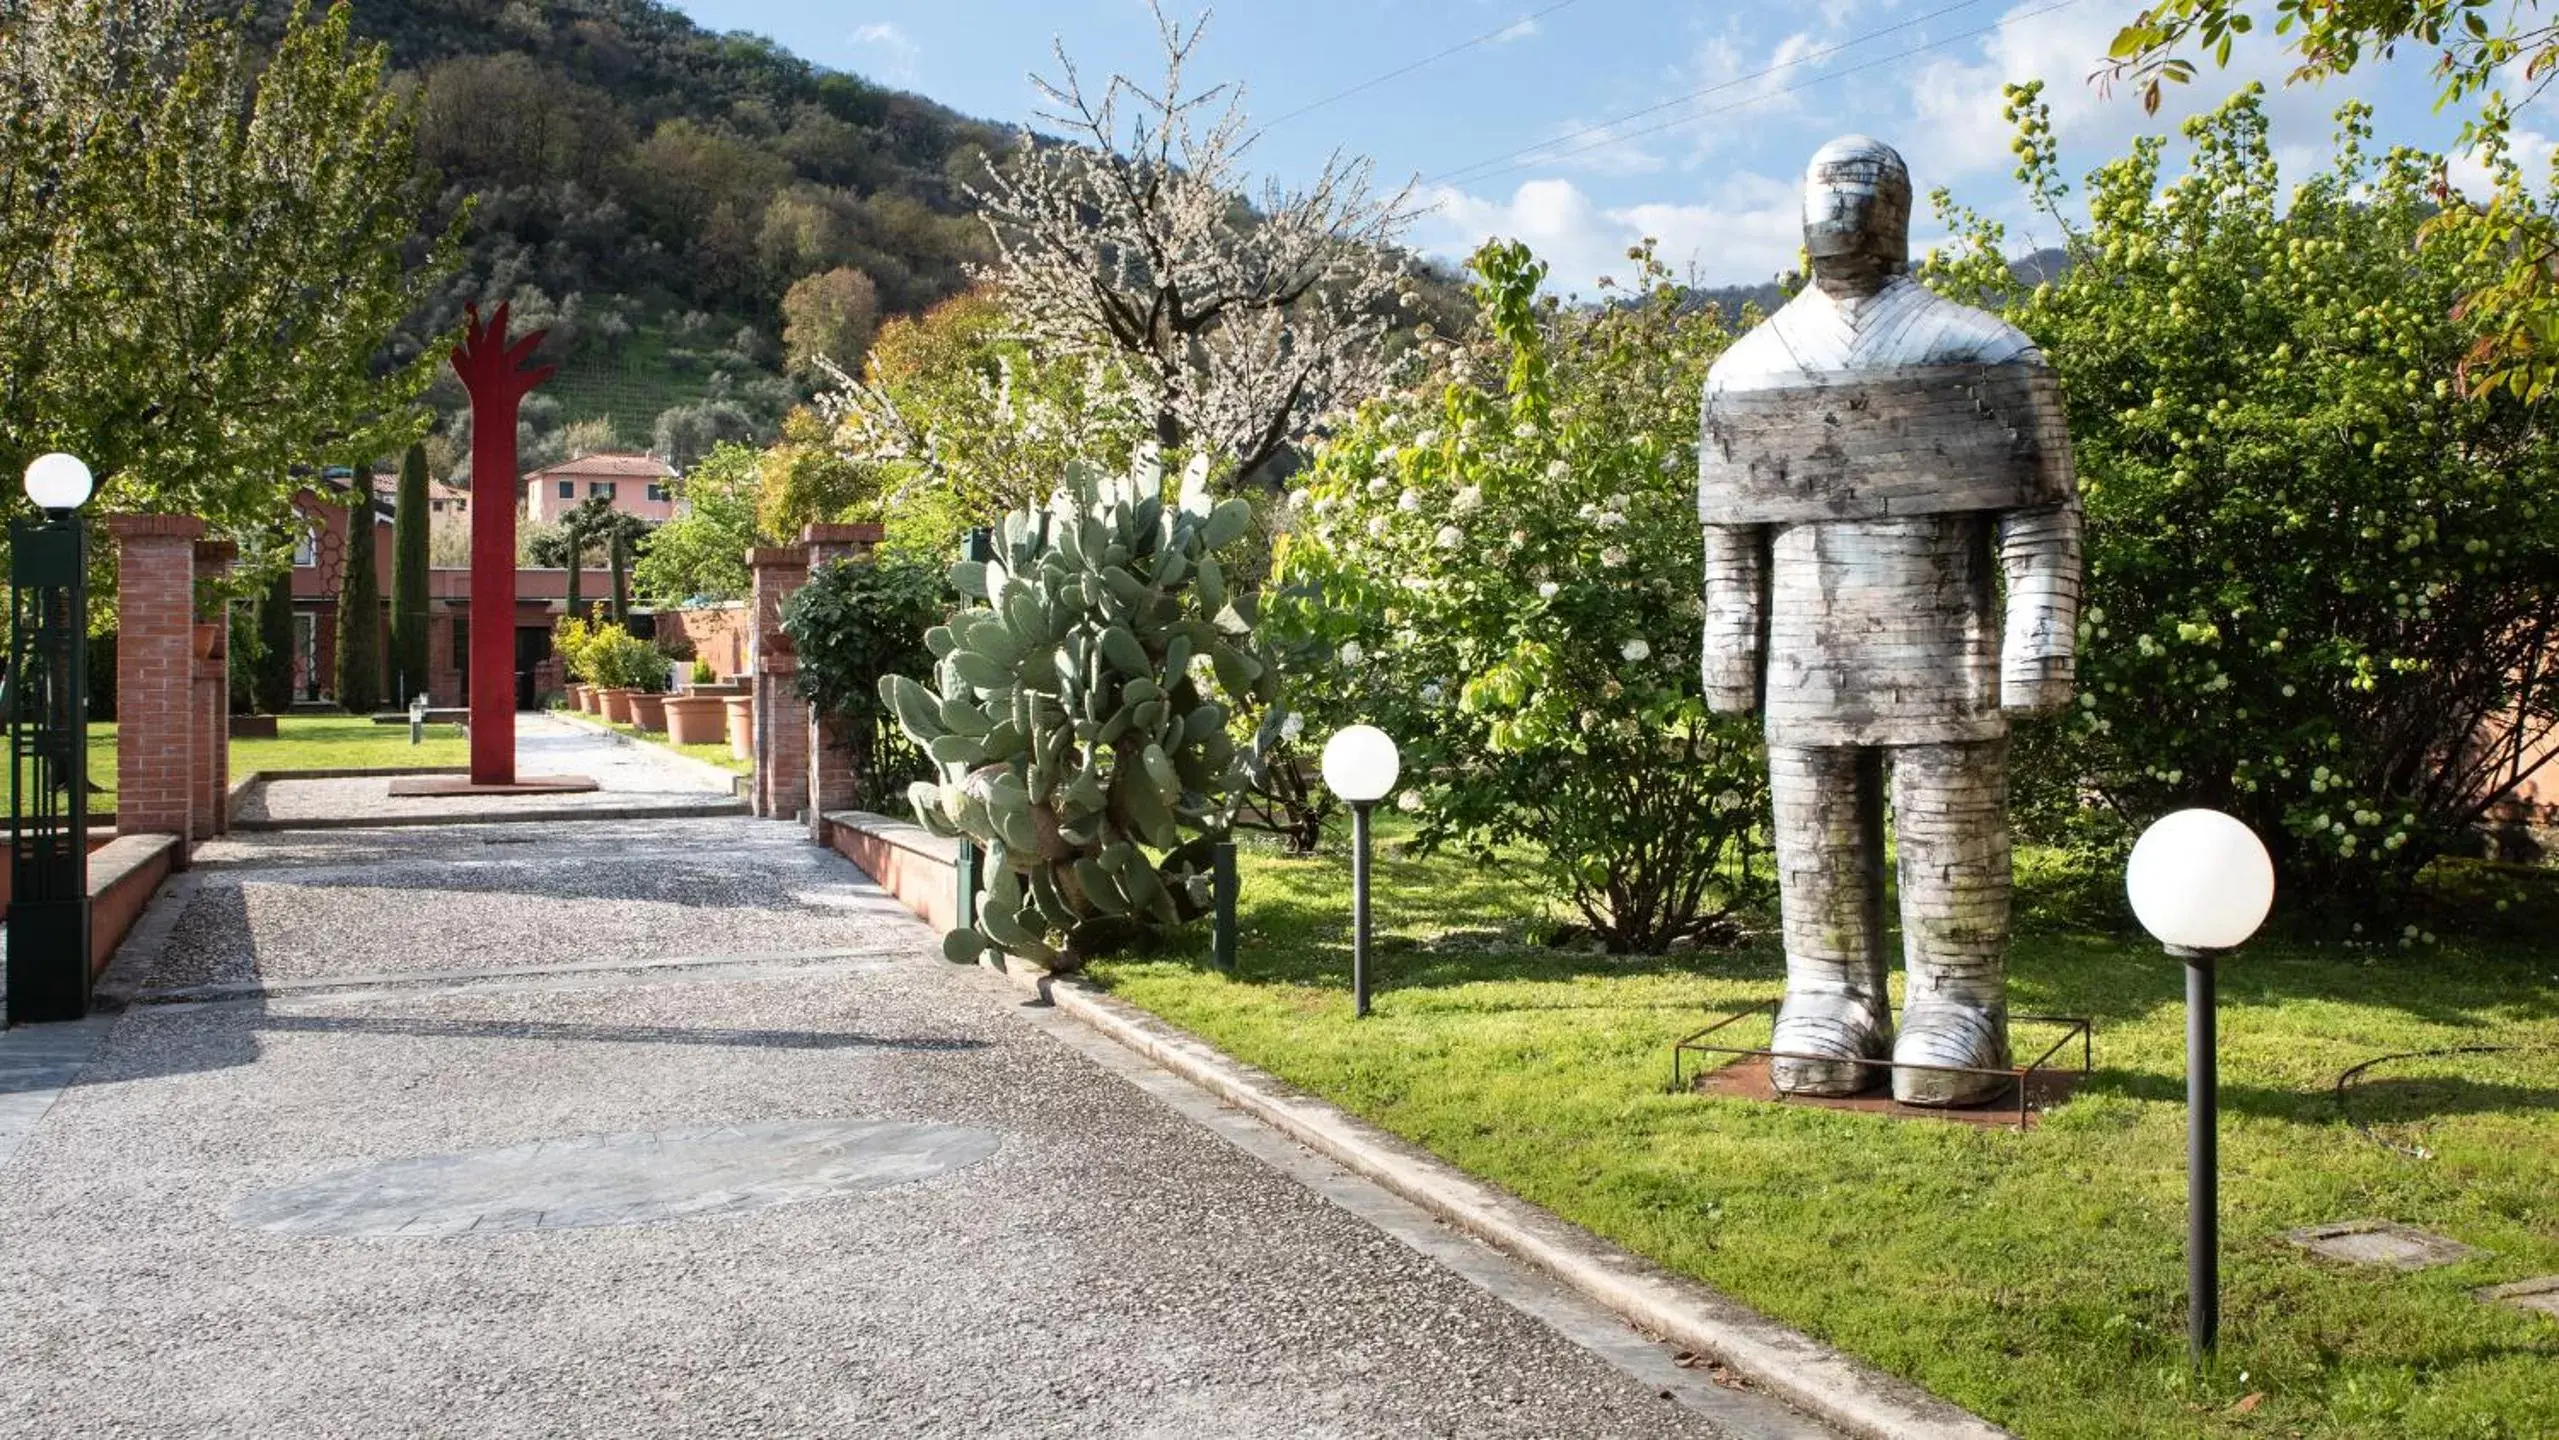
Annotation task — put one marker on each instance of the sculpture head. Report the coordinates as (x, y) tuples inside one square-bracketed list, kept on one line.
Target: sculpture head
[(1856, 215)]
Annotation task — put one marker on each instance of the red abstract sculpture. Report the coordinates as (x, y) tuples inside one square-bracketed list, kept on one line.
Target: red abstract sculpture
[(495, 374)]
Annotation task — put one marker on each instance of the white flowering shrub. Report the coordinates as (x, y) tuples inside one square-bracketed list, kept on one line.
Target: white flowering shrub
[(1501, 568), (2319, 573)]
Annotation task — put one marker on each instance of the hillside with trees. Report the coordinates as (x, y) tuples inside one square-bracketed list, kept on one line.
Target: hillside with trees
[(696, 217)]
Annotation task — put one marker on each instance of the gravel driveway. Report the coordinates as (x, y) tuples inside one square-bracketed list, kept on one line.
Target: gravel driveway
[(966, 1224)]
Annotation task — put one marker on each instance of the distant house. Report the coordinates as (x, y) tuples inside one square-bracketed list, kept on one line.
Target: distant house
[(635, 484)]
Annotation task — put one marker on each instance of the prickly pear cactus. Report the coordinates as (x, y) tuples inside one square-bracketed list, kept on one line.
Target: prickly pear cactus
[(1079, 718)]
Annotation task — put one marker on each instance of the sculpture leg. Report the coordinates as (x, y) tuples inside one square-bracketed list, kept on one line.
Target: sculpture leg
[(1830, 875), (1950, 825)]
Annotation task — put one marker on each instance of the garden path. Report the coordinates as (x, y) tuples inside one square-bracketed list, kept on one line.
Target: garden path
[(632, 780), (679, 1126)]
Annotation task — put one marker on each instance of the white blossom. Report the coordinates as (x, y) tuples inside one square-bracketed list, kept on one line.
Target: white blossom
[(1275, 310), (1377, 527), (1547, 590), (1410, 502), (1431, 693), (1449, 537), (1298, 498), (1613, 557), (1293, 726), (1636, 649), (1558, 470), (1377, 485), (1467, 500), (1410, 802), (1426, 440), (1524, 430), (1352, 654)]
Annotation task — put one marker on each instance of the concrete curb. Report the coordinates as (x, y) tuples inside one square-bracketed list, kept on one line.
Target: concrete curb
[(1792, 1366)]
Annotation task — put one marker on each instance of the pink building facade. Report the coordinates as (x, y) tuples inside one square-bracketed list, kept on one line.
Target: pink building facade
[(639, 485)]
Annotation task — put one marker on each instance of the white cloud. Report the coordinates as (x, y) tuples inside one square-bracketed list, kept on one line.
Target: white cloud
[(897, 51), (1519, 30), (1956, 129), (2531, 151), (1750, 231)]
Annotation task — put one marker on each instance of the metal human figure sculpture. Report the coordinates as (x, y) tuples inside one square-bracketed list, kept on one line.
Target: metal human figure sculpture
[(494, 372), (1866, 455)]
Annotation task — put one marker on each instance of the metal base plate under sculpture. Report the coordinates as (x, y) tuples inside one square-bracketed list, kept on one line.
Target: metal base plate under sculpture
[(520, 785), (2033, 1088)]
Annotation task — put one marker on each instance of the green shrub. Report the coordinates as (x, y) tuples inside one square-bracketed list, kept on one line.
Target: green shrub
[(1073, 719), (1501, 567), (2319, 573), (855, 623)]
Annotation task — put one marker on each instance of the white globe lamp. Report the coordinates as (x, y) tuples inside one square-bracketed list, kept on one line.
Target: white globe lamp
[(1360, 764), (2200, 880), (2202, 883), (58, 482)]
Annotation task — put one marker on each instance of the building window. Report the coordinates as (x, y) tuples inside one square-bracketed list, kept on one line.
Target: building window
[(568, 489), (656, 491), (600, 487), (436, 505), (306, 551), (459, 506)]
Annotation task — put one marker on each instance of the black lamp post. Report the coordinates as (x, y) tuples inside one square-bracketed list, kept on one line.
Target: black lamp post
[(48, 715), (1360, 765), (2201, 883)]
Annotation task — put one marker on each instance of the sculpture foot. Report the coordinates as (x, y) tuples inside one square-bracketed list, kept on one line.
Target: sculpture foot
[(1829, 1026), (1940, 1032)]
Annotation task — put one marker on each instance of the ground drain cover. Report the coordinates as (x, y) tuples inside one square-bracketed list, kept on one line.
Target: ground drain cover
[(2540, 1294), (633, 1178), (2380, 1242)]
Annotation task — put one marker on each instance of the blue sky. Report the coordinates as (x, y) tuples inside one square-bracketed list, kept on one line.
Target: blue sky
[(1714, 180)]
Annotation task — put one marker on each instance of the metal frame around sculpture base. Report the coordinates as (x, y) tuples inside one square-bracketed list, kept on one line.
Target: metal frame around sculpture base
[(2020, 1077)]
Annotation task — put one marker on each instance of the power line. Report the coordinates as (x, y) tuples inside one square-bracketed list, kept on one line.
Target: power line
[(1432, 59), (1544, 151)]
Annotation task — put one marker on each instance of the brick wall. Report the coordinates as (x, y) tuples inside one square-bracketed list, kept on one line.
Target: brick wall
[(155, 672), (721, 634), (830, 764), (781, 717), (210, 783)]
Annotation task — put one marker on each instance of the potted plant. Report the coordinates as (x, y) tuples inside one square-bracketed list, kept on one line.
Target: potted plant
[(741, 710)]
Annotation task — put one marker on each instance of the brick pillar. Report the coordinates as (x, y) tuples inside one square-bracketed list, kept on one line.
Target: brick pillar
[(781, 716), (155, 673), (210, 771), (831, 782), (444, 678)]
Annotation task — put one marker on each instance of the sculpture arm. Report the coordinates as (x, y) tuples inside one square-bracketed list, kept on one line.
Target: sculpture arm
[(1736, 606), (2039, 556)]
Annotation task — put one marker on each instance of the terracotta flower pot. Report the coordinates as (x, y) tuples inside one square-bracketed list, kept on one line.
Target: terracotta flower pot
[(208, 641), (696, 719), (616, 704), (741, 710), (577, 696), (648, 711)]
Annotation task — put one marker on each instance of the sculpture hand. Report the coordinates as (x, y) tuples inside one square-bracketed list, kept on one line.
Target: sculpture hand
[(2042, 685)]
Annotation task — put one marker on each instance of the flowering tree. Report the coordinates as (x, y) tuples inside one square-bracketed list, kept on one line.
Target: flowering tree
[(1503, 566), (954, 402), (1132, 246), (2319, 571)]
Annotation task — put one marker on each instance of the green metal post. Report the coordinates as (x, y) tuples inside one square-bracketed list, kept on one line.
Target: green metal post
[(964, 869), (48, 723)]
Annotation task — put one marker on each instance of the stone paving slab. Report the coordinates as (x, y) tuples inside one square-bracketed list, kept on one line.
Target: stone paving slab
[(1109, 1269), (630, 780)]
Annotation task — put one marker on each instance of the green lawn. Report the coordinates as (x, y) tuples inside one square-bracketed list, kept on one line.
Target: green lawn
[(348, 742), (2037, 1278), (303, 742)]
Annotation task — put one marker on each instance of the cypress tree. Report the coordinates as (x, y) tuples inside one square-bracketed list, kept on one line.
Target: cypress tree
[(360, 610), (409, 579), (273, 687)]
